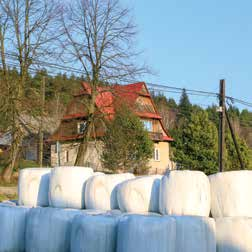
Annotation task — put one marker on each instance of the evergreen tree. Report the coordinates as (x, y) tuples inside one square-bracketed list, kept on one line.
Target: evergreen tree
[(232, 161), (196, 143), (246, 118), (184, 106), (127, 145)]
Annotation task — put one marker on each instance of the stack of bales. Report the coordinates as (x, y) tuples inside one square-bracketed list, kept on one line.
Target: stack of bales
[(186, 195), (75, 209), (232, 209), (183, 199)]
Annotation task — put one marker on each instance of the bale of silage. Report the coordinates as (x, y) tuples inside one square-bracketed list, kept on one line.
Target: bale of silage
[(49, 229), (139, 194), (231, 194), (12, 228), (9, 203), (67, 186), (94, 233), (33, 187), (138, 233), (234, 234), (101, 191), (195, 234), (185, 193)]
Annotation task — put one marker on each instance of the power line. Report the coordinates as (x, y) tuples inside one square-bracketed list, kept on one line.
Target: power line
[(233, 100), (182, 89), (153, 86), (179, 92)]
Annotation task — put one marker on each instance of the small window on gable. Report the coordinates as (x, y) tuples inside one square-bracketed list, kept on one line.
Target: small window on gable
[(147, 125), (81, 127), (156, 154)]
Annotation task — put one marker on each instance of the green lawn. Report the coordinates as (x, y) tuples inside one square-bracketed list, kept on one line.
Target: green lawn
[(7, 197)]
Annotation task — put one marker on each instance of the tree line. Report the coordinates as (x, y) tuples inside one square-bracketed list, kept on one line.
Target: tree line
[(195, 131)]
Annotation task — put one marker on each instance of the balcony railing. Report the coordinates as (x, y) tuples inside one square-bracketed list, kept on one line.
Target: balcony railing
[(156, 136)]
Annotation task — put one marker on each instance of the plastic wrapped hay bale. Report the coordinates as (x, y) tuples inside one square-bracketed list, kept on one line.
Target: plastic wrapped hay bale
[(234, 234), (101, 191), (195, 234), (33, 187), (99, 173), (12, 228), (185, 193), (67, 186), (138, 233), (139, 194), (94, 233), (9, 203), (49, 229), (231, 194)]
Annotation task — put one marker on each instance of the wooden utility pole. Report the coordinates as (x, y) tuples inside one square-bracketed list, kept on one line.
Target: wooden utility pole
[(221, 125), (235, 142), (41, 126)]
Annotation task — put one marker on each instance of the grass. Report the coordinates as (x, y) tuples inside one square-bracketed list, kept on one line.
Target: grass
[(7, 197), (27, 164), (21, 165)]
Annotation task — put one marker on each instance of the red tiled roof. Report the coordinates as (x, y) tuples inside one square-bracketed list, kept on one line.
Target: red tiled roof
[(167, 138), (105, 102)]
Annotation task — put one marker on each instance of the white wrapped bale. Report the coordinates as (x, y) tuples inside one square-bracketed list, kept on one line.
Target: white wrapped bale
[(137, 233), (101, 191), (99, 173), (185, 193), (195, 234), (94, 233), (67, 186), (33, 187), (139, 195), (234, 234), (49, 229), (12, 228), (9, 203), (231, 194)]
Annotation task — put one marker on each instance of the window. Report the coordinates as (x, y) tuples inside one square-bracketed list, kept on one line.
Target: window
[(57, 147), (156, 154), (147, 125), (66, 156), (81, 127)]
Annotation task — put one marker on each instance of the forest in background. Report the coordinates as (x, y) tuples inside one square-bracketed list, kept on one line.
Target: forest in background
[(194, 129)]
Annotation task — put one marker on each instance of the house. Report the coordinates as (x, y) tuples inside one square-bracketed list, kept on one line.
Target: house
[(29, 146), (65, 141)]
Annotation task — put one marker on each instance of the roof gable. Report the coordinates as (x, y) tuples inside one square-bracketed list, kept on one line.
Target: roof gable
[(135, 95)]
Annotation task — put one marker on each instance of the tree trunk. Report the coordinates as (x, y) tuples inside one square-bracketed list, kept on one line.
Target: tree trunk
[(82, 156), (8, 170), (41, 126)]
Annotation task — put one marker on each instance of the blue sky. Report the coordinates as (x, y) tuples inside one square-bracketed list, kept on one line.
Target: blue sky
[(193, 44)]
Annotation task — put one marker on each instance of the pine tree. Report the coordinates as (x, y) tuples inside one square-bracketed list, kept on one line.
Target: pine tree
[(232, 161), (196, 143), (184, 106), (127, 145)]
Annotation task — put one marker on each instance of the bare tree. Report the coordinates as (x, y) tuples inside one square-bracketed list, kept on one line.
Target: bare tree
[(99, 38), (26, 35)]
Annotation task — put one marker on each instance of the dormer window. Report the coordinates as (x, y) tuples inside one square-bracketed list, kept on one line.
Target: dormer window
[(147, 125), (81, 126)]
